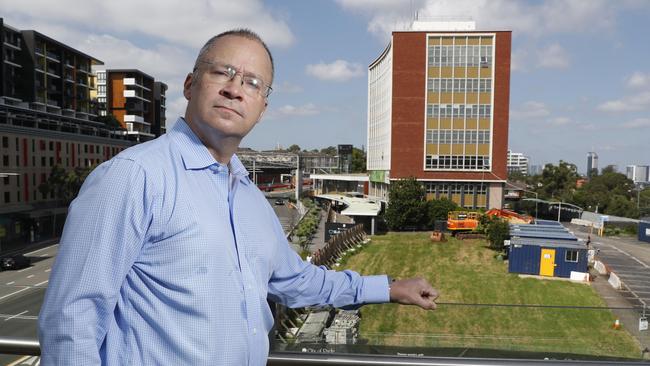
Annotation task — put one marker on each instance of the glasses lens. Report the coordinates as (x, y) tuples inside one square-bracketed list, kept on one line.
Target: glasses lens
[(251, 84)]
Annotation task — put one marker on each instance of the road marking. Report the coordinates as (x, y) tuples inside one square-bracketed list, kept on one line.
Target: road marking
[(17, 315), (41, 283), (20, 360), (49, 269), (45, 255), (30, 276), (15, 292), (36, 251), (11, 283), (24, 269)]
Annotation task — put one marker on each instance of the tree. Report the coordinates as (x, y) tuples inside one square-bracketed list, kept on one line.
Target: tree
[(330, 150), (558, 182), (64, 185), (439, 209), (497, 230), (294, 148), (110, 121), (613, 193), (406, 204), (358, 161)]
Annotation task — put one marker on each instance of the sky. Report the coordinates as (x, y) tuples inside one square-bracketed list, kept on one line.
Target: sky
[(580, 78)]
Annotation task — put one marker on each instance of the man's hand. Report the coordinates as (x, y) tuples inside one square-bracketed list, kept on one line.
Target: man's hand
[(413, 291)]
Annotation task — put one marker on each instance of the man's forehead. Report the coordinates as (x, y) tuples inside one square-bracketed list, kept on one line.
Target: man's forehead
[(241, 52)]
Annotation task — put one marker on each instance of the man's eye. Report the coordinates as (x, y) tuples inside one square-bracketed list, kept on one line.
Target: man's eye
[(253, 83)]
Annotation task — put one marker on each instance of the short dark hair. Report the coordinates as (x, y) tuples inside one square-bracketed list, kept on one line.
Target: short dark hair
[(239, 32)]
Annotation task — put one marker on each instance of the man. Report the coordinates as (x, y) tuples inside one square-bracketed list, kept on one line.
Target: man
[(170, 252)]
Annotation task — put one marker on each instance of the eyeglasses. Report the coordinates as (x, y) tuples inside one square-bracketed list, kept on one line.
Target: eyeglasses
[(251, 84)]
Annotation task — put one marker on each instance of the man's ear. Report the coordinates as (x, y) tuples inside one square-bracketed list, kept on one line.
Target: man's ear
[(187, 86)]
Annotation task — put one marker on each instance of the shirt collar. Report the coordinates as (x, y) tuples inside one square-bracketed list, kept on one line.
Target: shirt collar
[(196, 156)]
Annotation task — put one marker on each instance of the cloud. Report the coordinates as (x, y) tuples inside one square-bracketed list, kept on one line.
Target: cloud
[(530, 109), (525, 18), (553, 57), (184, 23), (637, 102), (339, 70), (638, 80), (287, 87), (288, 111), (559, 121), (518, 60), (160, 38), (637, 123)]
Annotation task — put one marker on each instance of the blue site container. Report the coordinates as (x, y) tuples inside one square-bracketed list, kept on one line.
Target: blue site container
[(547, 257), (644, 229)]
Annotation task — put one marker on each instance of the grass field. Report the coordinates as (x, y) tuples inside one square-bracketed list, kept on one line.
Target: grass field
[(467, 272)]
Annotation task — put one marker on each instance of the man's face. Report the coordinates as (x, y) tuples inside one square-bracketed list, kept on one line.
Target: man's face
[(220, 108)]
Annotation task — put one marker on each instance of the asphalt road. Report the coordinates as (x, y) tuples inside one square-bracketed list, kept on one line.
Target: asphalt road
[(628, 258), (21, 296)]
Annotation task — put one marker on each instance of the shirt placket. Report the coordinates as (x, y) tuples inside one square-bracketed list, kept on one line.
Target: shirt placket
[(250, 292)]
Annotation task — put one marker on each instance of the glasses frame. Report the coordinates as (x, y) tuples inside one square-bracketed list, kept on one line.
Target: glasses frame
[(232, 71)]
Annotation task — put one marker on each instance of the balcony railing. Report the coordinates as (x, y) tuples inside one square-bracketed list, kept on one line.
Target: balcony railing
[(23, 346)]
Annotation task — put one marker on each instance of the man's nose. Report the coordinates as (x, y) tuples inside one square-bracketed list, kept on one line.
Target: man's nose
[(233, 88)]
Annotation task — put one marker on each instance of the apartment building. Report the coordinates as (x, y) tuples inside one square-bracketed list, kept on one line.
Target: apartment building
[(135, 99), (517, 162), (47, 117), (639, 174), (438, 100)]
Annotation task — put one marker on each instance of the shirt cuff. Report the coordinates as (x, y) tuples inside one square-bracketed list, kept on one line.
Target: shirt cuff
[(375, 289)]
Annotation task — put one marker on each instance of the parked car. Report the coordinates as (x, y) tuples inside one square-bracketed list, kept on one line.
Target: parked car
[(18, 261), (279, 202)]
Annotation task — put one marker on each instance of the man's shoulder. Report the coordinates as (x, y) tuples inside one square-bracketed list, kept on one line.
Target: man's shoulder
[(152, 153)]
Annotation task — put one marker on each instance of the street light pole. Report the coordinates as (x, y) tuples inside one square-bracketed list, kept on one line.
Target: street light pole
[(559, 210)]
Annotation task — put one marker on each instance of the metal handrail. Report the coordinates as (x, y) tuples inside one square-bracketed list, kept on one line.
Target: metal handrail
[(28, 346)]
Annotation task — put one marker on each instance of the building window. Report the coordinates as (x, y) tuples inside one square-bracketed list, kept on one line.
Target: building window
[(571, 256), (51, 161), (5, 141), (17, 144), (5, 160), (43, 162)]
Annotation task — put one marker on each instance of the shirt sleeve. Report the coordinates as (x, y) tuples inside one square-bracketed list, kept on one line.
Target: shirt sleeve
[(102, 236), (296, 283)]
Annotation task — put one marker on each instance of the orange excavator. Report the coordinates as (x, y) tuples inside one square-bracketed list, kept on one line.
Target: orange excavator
[(462, 221), (511, 216)]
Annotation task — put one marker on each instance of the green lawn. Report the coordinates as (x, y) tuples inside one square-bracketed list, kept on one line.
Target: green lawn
[(467, 272)]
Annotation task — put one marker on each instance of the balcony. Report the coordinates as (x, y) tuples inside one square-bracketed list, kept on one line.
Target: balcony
[(11, 45), (134, 82), (134, 94), (134, 118)]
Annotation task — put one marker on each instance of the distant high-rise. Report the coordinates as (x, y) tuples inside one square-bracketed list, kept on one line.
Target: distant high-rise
[(638, 173), (592, 163), (517, 162)]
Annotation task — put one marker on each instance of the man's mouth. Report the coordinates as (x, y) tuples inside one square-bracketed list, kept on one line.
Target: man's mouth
[(231, 110)]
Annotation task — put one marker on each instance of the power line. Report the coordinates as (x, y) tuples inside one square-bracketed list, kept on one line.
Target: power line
[(541, 306)]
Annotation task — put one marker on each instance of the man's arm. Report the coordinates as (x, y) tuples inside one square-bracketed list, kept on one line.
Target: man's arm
[(103, 234), (296, 283)]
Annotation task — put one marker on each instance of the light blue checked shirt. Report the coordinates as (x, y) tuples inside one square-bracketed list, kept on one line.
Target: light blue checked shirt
[(162, 263)]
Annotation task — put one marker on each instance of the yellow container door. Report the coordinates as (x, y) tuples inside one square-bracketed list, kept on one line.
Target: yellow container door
[(547, 263)]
